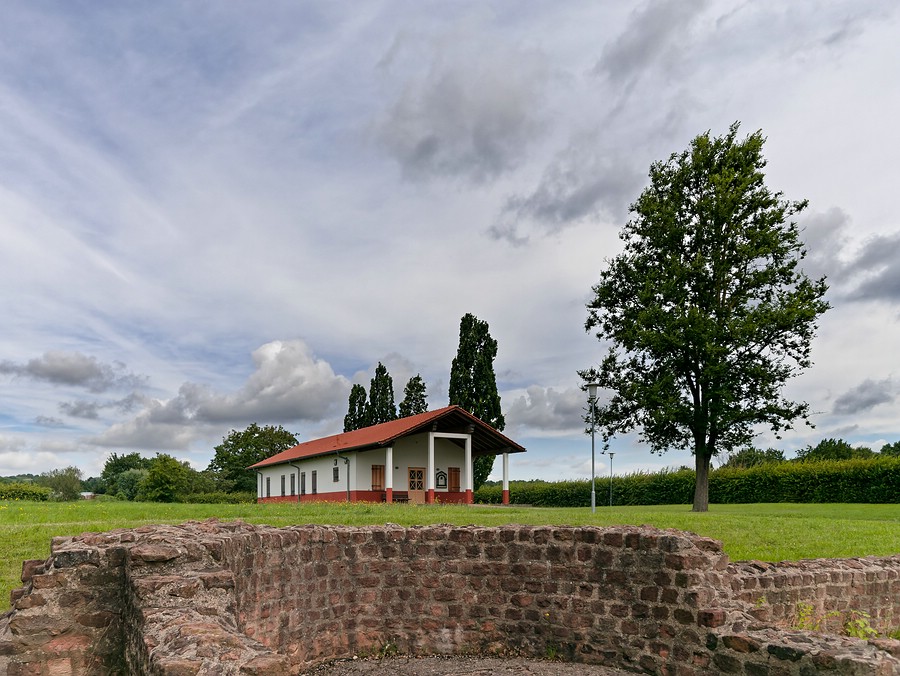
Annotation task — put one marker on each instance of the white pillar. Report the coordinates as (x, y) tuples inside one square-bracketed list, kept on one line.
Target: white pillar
[(470, 480), (429, 471), (389, 468), (505, 479)]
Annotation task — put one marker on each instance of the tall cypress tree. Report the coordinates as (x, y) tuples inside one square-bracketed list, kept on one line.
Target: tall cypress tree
[(356, 409), (381, 406), (473, 384), (413, 397)]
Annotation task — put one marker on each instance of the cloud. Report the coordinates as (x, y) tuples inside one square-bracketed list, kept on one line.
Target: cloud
[(587, 180), (288, 385), (48, 421), (867, 272), (865, 396), (470, 112), (547, 410), (654, 34), (74, 369), (875, 265)]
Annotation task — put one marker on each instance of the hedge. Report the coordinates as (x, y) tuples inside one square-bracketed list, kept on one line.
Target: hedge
[(19, 491), (861, 481)]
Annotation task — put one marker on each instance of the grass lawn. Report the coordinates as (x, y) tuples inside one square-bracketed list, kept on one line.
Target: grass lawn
[(769, 532)]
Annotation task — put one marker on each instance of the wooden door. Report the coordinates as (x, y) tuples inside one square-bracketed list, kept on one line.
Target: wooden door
[(416, 485)]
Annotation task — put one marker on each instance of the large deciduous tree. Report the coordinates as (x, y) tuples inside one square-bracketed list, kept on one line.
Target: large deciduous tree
[(116, 465), (381, 406), (356, 409), (706, 312), (414, 395), (473, 384), (240, 449)]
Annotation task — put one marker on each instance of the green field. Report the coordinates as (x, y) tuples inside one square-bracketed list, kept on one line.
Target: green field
[(769, 532)]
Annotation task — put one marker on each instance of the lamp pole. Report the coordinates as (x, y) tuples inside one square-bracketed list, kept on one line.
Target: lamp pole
[(611, 454), (592, 400)]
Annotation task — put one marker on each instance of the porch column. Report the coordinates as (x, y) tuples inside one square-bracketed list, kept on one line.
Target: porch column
[(429, 471), (389, 475), (506, 478), (470, 480)]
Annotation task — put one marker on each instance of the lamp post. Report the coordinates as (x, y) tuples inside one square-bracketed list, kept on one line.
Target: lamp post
[(592, 401), (611, 454)]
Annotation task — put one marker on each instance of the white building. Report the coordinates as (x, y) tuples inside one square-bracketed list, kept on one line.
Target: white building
[(423, 458)]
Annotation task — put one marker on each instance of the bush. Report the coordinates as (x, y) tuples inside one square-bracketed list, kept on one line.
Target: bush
[(19, 491)]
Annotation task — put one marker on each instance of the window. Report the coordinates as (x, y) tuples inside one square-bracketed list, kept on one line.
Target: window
[(453, 479), (377, 477), (336, 474), (293, 484), (302, 483), (314, 482), (282, 485), (268, 487)]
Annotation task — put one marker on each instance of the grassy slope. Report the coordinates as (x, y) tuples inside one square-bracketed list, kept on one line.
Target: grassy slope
[(772, 532)]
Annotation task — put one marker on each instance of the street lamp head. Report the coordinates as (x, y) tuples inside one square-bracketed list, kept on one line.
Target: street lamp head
[(592, 391)]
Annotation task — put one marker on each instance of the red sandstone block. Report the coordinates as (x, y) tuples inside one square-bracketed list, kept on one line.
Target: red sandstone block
[(711, 617)]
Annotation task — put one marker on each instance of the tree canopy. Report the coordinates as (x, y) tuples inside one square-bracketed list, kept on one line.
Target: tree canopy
[(891, 449), (706, 313), (356, 409), (473, 385), (413, 397), (64, 484), (751, 457), (240, 449), (115, 465), (833, 449), (381, 406)]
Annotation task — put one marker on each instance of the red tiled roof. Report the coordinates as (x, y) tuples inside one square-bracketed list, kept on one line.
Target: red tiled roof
[(485, 439)]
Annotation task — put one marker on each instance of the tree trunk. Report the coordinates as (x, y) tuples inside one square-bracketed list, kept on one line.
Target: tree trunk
[(701, 489)]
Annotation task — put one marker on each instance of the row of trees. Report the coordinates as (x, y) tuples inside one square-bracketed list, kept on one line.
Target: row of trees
[(827, 449), (473, 386), (378, 406)]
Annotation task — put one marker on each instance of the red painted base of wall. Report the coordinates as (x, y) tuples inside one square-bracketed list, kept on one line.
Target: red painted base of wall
[(506, 497), (278, 498), (440, 497)]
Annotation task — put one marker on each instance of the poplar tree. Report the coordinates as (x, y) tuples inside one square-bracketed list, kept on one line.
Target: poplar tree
[(356, 409), (473, 385), (381, 406), (413, 397)]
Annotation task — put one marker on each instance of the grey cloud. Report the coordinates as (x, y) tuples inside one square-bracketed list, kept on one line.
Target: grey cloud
[(825, 236), (48, 421), (652, 34), (865, 273), (876, 264), (87, 410), (584, 181), (74, 369), (547, 410), (471, 114), (90, 410), (289, 385), (865, 396)]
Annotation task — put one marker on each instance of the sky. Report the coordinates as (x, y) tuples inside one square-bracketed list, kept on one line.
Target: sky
[(215, 214)]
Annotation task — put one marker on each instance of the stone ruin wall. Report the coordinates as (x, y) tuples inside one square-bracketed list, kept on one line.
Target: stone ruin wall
[(232, 598)]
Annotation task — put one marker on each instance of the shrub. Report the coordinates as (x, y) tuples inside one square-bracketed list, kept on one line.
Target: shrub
[(19, 491)]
